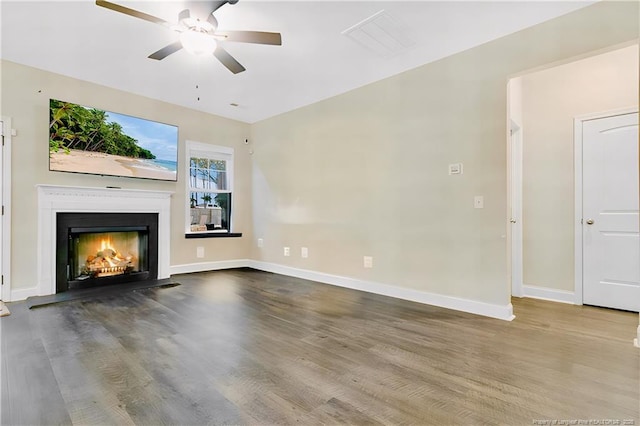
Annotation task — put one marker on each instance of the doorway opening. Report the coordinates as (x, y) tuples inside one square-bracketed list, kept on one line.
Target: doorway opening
[(542, 106)]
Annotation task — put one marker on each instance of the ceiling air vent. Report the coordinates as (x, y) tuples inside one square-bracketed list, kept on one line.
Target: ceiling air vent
[(382, 34)]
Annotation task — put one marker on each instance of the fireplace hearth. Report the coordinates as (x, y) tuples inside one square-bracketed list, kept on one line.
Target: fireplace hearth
[(95, 249)]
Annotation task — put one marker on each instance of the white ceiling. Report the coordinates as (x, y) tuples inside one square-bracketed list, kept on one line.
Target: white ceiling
[(84, 41)]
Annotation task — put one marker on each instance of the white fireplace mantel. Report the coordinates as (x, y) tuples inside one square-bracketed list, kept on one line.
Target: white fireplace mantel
[(54, 199)]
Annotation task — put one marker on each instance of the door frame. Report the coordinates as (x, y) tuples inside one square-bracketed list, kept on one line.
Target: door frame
[(515, 213), (5, 192), (577, 166)]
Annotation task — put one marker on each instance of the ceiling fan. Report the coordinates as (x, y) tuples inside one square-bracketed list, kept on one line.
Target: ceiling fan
[(199, 34)]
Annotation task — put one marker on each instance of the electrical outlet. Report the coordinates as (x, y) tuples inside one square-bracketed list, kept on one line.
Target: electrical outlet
[(260, 242), (304, 252), (478, 202), (368, 262), (287, 251), (200, 252)]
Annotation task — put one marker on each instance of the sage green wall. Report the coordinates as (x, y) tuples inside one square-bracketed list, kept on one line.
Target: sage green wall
[(25, 99), (365, 173), (551, 100)]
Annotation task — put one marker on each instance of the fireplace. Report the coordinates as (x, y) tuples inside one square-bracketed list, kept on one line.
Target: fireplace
[(101, 211), (105, 248)]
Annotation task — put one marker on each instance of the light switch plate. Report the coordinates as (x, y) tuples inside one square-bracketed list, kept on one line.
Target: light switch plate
[(455, 169)]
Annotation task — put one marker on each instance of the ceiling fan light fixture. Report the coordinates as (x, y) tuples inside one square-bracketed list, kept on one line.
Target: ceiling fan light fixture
[(198, 43)]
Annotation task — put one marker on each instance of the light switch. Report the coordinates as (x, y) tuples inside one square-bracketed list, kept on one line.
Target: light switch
[(478, 202)]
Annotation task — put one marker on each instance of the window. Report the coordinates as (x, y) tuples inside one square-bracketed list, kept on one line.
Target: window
[(209, 189)]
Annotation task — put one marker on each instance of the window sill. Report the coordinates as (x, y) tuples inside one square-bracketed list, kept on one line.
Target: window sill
[(213, 235)]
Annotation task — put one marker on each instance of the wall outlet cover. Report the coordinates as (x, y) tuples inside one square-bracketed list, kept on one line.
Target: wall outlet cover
[(478, 202)]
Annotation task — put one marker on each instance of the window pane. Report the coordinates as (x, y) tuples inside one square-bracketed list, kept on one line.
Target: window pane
[(218, 165), (193, 177), (195, 172), (219, 180), (210, 211), (198, 173), (208, 174)]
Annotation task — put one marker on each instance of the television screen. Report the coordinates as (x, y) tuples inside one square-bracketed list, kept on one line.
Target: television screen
[(90, 140)]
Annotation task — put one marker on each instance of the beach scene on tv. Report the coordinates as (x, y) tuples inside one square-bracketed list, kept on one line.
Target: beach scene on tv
[(90, 140)]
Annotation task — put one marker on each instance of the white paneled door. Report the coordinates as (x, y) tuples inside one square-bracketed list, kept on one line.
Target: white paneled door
[(610, 222)]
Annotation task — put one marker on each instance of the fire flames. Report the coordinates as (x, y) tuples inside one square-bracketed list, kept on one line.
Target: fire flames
[(108, 261)]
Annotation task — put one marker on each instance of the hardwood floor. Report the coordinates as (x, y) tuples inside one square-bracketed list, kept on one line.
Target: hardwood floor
[(249, 347)]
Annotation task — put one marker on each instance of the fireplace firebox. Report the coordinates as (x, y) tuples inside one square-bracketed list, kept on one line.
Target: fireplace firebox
[(105, 248)]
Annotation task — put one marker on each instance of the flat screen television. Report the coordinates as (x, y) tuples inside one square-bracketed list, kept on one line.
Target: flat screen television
[(90, 140)]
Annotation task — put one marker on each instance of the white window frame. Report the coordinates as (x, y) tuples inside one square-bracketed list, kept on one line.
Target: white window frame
[(212, 152)]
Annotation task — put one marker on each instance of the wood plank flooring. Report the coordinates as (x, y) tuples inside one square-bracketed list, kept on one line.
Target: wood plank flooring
[(249, 347)]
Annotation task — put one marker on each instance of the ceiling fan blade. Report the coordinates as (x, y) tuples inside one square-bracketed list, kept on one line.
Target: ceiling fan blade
[(213, 21), (258, 37), (131, 12), (166, 51), (228, 60)]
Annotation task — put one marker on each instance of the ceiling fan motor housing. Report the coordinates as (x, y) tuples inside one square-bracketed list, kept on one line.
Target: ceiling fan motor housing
[(195, 24)]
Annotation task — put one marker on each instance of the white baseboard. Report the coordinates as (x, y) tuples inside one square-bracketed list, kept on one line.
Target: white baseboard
[(551, 294), (22, 294), (503, 312), (209, 266)]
